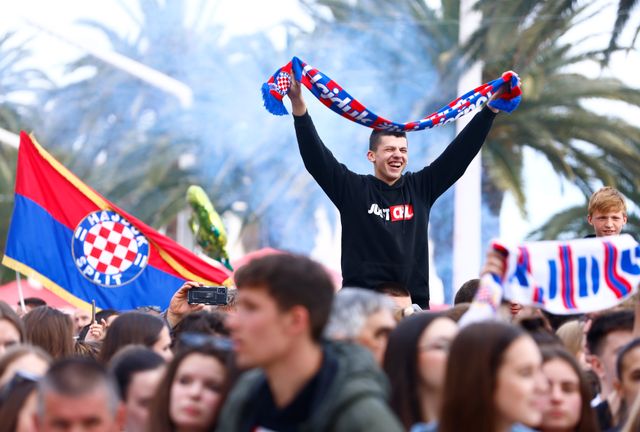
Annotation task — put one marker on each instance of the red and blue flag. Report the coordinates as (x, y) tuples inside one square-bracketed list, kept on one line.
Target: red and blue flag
[(83, 247)]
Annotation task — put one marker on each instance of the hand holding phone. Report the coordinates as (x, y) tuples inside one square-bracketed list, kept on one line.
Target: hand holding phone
[(208, 295)]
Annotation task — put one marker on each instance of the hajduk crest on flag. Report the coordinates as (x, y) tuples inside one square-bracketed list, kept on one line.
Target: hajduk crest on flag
[(83, 247), (332, 95)]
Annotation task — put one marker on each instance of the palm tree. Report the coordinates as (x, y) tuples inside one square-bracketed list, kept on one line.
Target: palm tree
[(623, 14), (582, 145), (15, 78)]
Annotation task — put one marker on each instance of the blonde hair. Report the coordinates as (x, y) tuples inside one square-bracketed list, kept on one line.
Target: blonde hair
[(571, 334), (607, 199)]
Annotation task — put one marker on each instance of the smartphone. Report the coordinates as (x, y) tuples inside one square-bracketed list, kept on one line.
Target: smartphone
[(208, 295), (93, 311)]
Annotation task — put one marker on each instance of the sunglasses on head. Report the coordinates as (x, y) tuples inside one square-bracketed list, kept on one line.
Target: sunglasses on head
[(197, 340), (152, 308)]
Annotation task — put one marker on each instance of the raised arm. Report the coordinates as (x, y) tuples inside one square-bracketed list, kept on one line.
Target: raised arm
[(318, 160), (455, 159)]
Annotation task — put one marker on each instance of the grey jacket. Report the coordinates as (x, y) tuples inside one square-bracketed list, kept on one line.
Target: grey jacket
[(355, 400)]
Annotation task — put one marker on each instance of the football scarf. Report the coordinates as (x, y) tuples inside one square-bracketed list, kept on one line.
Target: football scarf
[(332, 95)]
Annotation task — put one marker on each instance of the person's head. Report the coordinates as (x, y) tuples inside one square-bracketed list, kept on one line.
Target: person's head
[(108, 315), (364, 317), (138, 371), (81, 318), (493, 379), (25, 358), (572, 336), (607, 212), (284, 301), (137, 328), (569, 407), (18, 403), (627, 382), (467, 292), (193, 388), (31, 303), (78, 394), (415, 363), (11, 328), (389, 153), (205, 322), (51, 330), (400, 296), (609, 332)]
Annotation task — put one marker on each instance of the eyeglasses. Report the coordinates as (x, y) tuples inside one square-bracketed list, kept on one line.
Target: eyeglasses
[(196, 340), (20, 378)]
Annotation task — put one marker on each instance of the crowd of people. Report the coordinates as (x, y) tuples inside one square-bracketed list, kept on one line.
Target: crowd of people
[(289, 353)]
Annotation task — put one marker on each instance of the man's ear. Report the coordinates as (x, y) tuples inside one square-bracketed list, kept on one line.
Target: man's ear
[(596, 365), (371, 156), (590, 220), (298, 320), (624, 219)]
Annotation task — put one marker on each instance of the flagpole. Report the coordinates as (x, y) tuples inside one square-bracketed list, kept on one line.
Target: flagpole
[(467, 236), (20, 293)]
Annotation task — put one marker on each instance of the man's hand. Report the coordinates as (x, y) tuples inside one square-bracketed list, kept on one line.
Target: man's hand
[(497, 94), (298, 106), (179, 307)]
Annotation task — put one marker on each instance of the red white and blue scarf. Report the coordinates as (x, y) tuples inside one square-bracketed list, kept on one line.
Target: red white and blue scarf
[(561, 277), (339, 101)]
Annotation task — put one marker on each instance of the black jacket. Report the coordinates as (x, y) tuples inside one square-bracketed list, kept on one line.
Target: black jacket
[(384, 228)]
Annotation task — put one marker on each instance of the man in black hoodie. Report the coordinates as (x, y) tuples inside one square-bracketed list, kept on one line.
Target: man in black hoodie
[(385, 216)]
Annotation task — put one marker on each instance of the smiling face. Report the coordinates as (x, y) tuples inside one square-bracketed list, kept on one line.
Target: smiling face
[(389, 158), (607, 223)]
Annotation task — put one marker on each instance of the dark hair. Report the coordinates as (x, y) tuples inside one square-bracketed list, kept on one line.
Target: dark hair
[(14, 395), (456, 312), (467, 291), (292, 280), (602, 325), (556, 321), (33, 302), (540, 330), (75, 377), (51, 330), (393, 289), (159, 411), (401, 366), (376, 134), (131, 328), (16, 352), (588, 421), (211, 323), (475, 357), (129, 361), (7, 313), (623, 353)]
